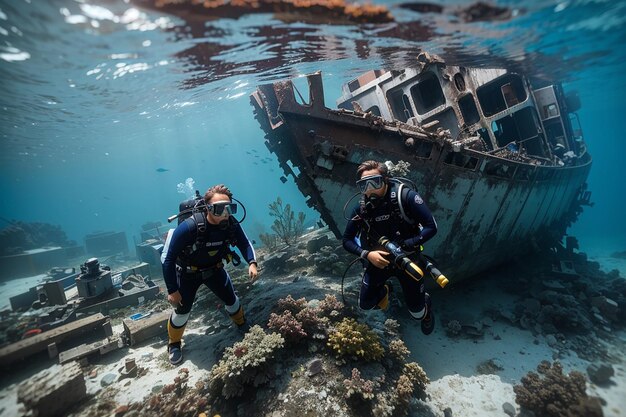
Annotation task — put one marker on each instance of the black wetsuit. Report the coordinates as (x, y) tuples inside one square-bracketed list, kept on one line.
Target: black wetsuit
[(185, 270), (384, 219)]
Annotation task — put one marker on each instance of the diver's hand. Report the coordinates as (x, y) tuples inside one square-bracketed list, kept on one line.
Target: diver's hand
[(252, 272), (175, 299), (377, 258)]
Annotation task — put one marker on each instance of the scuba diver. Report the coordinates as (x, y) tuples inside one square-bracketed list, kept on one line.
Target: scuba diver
[(387, 229), (193, 254)]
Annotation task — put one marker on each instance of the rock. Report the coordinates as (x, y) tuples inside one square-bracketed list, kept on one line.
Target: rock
[(315, 244), (532, 306), (508, 409), (120, 411), (447, 412), (600, 373), (314, 367), (608, 308), (551, 340), (108, 379), (52, 392), (276, 262), (554, 285)]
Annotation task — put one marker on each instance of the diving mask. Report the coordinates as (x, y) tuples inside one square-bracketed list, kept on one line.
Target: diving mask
[(219, 207), (371, 182)]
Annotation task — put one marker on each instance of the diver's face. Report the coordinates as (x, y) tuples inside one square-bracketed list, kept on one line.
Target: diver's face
[(222, 201), (371, 191)]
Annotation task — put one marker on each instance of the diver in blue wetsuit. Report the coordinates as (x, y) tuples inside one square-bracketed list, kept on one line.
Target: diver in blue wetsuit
[(399, 214), (193, 255)]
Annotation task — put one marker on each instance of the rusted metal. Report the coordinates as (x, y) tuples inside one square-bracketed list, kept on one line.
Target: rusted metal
[(498, 167), (40, 342)]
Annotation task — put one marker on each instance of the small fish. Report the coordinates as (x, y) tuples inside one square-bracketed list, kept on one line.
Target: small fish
[(162, 169)]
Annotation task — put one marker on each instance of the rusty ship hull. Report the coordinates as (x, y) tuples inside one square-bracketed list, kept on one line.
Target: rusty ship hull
[(491, 204)]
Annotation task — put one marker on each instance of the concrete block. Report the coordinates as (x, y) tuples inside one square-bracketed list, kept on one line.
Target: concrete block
[(52, 392), (136, 331)]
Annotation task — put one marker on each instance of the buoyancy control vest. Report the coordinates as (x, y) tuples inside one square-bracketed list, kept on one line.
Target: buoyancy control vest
[(194, 211), (394, 206)]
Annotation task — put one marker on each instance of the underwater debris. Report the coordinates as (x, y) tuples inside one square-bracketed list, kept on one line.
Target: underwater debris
[(20, 236), (550, 393), (482, 130)]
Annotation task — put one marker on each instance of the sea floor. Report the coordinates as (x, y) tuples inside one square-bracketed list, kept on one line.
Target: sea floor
[(472, 370)]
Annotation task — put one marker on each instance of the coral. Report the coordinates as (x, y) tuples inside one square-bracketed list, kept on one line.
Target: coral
[(398, 349), (392, 326), (326, 260), (330, 303), (554, 394), (290, 304), (286, 226), (176, 399), (401, 169), (355, 339), (270, 241), (287, 325), (359, 387), (247, 362), (404, 391), (311, 319), (417, 376)]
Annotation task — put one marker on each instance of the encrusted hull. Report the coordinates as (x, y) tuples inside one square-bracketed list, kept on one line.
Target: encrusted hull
[(489, 209)]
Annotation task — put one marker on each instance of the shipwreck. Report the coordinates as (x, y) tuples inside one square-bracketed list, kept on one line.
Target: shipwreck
[(501, 164)]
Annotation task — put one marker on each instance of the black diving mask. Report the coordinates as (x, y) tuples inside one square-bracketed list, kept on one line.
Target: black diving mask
[(371, 182), (218, 208)]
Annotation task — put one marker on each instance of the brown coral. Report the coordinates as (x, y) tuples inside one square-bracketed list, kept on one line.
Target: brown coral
[(551, 393), (357, 386), (355, 339), (288, 303), (287, 325), (330, 303), (253, 367)]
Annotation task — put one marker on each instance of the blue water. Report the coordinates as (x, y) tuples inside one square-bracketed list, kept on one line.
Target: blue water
[(105, 107)]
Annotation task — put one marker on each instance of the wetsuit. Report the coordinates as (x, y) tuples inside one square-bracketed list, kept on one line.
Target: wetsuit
[(190, 260), (384, 219)]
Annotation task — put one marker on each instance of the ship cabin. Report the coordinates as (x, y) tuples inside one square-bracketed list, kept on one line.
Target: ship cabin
[(497, 105)]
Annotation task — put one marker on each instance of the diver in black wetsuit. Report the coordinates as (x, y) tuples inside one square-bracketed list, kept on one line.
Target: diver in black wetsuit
[(382, 214), (194, 254)]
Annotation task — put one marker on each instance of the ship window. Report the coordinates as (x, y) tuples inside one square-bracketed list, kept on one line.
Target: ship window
[(469, 110), (400, 105), (501, 93), (447, 120), (423, 149), (427, 94), (484, 135), (301, 91), (516, 127), (459, 82), (346, 105), (460, 160), (374, 110), (554, 132), (520, 128)]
